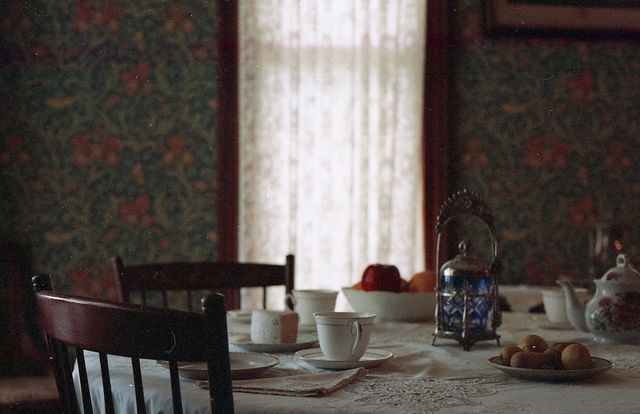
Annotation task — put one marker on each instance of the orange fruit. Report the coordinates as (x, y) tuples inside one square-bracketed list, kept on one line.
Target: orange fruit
[(576, 356), (423, 282), (357, 286), (533, 343)]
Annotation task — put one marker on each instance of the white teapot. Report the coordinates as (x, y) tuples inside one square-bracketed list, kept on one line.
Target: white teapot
[(613, 314)]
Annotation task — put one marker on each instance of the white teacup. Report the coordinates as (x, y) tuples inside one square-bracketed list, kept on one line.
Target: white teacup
[(308, 302), (344, 336), (273, 327), (554, 305)]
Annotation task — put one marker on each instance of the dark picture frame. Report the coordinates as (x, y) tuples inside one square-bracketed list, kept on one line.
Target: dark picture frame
[(577, 16)]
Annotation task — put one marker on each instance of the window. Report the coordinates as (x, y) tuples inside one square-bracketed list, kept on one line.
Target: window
[(330, 136)]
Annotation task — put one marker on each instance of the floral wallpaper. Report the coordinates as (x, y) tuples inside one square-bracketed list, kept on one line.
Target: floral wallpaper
[(107, 119), (547, 130), (108, 112)]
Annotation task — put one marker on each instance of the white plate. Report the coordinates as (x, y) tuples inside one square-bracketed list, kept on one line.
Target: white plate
[(243, 365), (598, 365), (371, 358), (243, 341), (240, 316)]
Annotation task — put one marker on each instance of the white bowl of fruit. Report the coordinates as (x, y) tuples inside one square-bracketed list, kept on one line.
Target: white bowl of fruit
[(383, 292)]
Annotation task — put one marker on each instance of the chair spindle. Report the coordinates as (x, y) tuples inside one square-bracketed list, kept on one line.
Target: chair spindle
[(137, 381), (175, 387), (84, 383), (106, 383)]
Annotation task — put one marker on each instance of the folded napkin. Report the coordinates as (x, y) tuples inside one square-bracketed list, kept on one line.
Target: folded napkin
[(309, 385)]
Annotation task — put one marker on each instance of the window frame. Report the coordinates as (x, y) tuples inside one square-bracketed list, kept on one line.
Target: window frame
[(436, 125)]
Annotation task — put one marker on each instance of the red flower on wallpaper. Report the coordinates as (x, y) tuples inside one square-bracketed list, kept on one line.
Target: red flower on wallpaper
[(136, 78), (87, 17), (179, 19), (86, 151), (84, 16), (14, 153), (177, 151), (582, 88), (547, 150), (15, 17), (582, 211), (617, 157), (475, 154), (109, 16), (94, 280), (544, 272), (109, 148), (136, 213)]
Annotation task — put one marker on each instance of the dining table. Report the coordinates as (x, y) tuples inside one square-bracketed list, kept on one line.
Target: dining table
[(419, 377)]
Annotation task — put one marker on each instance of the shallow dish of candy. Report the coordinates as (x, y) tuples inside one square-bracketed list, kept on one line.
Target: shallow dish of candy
[(382, 291), (533, 358)]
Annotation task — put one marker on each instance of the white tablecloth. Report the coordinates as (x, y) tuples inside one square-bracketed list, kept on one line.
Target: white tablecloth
[(421, 378)]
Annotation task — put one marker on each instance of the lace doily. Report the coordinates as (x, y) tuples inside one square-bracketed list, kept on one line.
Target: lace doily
[(423, 395), (628, 363)]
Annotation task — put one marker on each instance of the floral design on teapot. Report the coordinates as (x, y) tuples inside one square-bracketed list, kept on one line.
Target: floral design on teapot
[(617, 313)]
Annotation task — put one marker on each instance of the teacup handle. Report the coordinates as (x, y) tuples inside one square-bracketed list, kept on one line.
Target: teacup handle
[(289, 301), (355, 326)]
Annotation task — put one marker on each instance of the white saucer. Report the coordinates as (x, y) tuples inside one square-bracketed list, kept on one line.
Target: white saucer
[(371, 358), (243, 366), (243, 342)]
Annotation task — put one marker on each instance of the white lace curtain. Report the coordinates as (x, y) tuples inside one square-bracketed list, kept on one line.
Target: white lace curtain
[(330, 135)]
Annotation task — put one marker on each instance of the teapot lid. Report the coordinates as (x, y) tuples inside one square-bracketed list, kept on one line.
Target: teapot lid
[(622, 272)]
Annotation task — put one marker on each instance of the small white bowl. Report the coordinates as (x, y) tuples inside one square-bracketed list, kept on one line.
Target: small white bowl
[(393, 306)]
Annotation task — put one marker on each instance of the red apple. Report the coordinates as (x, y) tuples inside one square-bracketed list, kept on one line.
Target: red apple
[(381, 277)]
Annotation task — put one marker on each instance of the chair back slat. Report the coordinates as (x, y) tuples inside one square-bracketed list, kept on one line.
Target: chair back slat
[(137, 384), (106, 383), (220, 389), (84, 383), (137, 332), (63, 374), (175, 387), (224, 277)]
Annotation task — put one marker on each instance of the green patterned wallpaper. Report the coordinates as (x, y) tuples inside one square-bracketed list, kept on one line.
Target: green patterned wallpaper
[(108, 112), (108, 118), (548, 131)]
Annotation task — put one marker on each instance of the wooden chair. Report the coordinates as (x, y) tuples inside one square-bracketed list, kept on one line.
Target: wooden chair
[(111, 328), (27, 384), (225, 277)]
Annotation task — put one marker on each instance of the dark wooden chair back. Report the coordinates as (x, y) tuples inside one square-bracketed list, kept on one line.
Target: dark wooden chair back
[(224, 277), (22, 349), (75, 323)]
